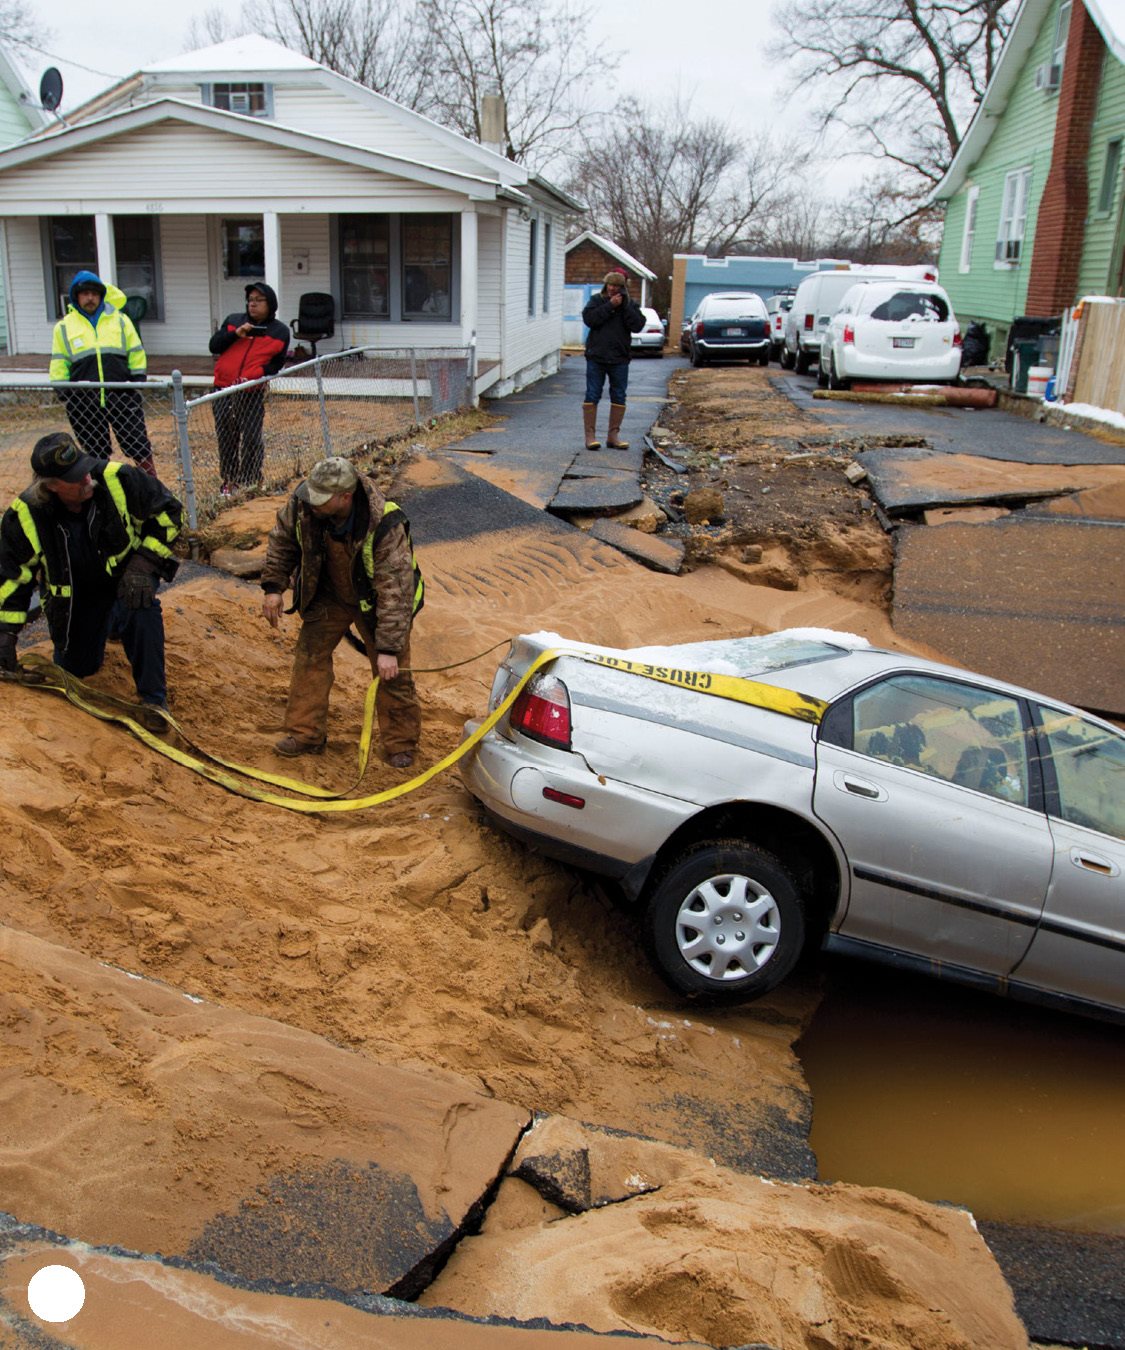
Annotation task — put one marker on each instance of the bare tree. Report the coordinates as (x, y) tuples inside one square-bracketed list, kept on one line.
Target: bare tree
[(18, 25), (662, 182), (901, 77), (536, 54)]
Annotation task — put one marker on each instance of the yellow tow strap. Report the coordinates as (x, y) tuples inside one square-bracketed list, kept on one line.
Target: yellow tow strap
[(40, 673)]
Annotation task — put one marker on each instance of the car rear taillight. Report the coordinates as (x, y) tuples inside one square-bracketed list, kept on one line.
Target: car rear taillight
[(542, 712), (699, 329), (808, 323), (957, 337), (849, 333)]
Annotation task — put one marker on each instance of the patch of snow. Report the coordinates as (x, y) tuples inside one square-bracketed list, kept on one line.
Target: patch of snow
[(1095, 414)]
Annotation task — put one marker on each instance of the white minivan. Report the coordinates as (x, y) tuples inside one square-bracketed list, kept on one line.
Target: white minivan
[(818, 298)]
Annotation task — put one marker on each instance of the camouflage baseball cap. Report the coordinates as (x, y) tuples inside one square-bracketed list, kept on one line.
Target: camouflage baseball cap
[(326, 479), (57, 456)]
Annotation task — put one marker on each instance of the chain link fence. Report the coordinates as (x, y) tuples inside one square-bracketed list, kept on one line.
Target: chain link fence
[(216, 447)]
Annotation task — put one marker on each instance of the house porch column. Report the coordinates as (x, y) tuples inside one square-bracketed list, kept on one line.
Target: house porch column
[(271, 242), (107, 252), (469, 276)]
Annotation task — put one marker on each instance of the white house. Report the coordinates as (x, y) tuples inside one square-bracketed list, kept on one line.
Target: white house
[(20, 115), (246, 160)]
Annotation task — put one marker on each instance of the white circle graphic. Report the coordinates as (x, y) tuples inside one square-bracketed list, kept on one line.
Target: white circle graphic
[(56, 1293)]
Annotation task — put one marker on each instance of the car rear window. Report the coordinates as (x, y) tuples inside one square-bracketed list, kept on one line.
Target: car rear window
[(916, 306), (747, 306), (749, 656)]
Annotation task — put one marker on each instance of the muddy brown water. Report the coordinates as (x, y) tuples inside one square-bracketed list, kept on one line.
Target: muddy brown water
[(1013, 1111)]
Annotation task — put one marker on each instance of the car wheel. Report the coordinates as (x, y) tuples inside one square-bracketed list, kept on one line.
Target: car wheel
[(821, 376), (724, 922), (764, 358), (801, 362), (786, 359), (697, 357), (834, 380)]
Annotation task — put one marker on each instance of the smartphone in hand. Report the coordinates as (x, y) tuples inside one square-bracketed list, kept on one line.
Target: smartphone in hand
[(258, 330)]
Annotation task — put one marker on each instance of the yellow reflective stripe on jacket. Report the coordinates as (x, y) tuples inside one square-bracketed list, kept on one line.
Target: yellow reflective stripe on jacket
[(27, 569), (96, 340), (111, 478), (137, 358), (788, 702), (367, 603)]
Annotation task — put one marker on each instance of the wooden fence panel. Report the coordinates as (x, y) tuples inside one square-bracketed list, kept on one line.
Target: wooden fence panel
[(1100, 379)]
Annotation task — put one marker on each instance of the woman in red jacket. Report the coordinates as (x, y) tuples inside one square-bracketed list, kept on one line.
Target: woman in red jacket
[(247, 347)]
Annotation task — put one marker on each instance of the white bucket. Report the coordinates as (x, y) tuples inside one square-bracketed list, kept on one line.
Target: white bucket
[(1037, 378)]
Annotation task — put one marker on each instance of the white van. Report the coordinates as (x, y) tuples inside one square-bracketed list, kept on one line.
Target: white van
[(818, 298)]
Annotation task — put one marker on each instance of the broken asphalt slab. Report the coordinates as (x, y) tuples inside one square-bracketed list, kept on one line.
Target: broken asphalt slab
[(1031, 600), (911, 480), (264, 1151), (991, 433)]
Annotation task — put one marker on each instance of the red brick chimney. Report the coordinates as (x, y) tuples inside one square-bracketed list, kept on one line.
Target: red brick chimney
[(1053, 282)]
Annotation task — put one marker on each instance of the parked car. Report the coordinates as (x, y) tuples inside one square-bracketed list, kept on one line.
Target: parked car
[(685, 336), (730, 326), (891, 330), (651, 336), (755, 796), (777, 306), (818, 297)]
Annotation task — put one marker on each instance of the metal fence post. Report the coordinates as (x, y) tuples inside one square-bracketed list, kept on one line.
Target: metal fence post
[(325, 433), (414, 382), (179, 413)]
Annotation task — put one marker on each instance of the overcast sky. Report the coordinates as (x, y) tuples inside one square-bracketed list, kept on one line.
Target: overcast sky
[(714, 55)]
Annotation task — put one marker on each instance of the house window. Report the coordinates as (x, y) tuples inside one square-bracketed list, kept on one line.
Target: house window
[(1108, 189), (532, 260), (138, 261), (252, 100), (1062, 27), (1013, 218), (547, 267), (970, 230), (365, 266), (72, 248), (427, 267), (244, 249)]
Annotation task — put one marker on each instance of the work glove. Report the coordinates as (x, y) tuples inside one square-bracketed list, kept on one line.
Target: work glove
[(138, 583), (8, 660)]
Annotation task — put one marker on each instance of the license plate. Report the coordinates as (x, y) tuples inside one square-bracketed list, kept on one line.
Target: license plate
[(732, 332), (902, 342)]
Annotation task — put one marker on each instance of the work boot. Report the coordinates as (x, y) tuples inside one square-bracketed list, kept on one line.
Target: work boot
[(616, 417), (145, 462), (401, 759), (290, 747), (589, 417)]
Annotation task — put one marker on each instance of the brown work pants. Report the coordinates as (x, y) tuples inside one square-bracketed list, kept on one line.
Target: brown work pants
[(306, 717)]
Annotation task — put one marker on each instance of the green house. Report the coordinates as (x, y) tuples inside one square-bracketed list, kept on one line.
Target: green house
[(20, 115), (1035, 210)]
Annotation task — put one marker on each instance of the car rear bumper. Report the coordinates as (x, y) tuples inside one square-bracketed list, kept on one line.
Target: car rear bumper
[(732, 347), (856, 365), (616, 827)]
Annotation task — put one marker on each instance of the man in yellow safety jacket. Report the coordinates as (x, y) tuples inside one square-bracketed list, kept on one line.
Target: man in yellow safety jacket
[(96, 342), (97, 538)]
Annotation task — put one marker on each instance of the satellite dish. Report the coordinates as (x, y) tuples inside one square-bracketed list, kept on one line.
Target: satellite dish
[(50, 89)]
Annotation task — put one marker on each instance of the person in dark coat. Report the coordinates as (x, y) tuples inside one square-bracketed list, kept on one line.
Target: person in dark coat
[(247, 347), (612, 317)]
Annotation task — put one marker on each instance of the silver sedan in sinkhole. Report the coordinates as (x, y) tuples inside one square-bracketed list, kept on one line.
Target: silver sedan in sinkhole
[(755, 796)]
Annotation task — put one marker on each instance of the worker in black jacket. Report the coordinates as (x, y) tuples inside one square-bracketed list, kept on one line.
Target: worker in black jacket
[(97, 537), (612, 317)]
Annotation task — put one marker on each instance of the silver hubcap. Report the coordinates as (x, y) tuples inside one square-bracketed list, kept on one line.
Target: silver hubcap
[(728, 927)]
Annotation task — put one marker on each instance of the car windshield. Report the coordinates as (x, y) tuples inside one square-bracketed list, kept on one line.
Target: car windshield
[(915, 306), (734, 306)]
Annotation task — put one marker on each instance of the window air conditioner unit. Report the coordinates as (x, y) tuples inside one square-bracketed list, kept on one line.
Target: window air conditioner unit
[(1048, 75), (240, 103)]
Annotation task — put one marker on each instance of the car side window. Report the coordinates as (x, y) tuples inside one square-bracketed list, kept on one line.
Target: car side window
[(973, 737), (1089, 767)]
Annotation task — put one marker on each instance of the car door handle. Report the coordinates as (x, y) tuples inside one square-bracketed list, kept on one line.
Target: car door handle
[(858, 787), (1091, 862)]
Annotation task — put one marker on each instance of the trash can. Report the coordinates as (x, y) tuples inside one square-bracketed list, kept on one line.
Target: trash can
[(1024, 356)]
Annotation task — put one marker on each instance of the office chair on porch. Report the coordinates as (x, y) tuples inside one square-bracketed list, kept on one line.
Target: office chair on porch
[(316, 318)]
